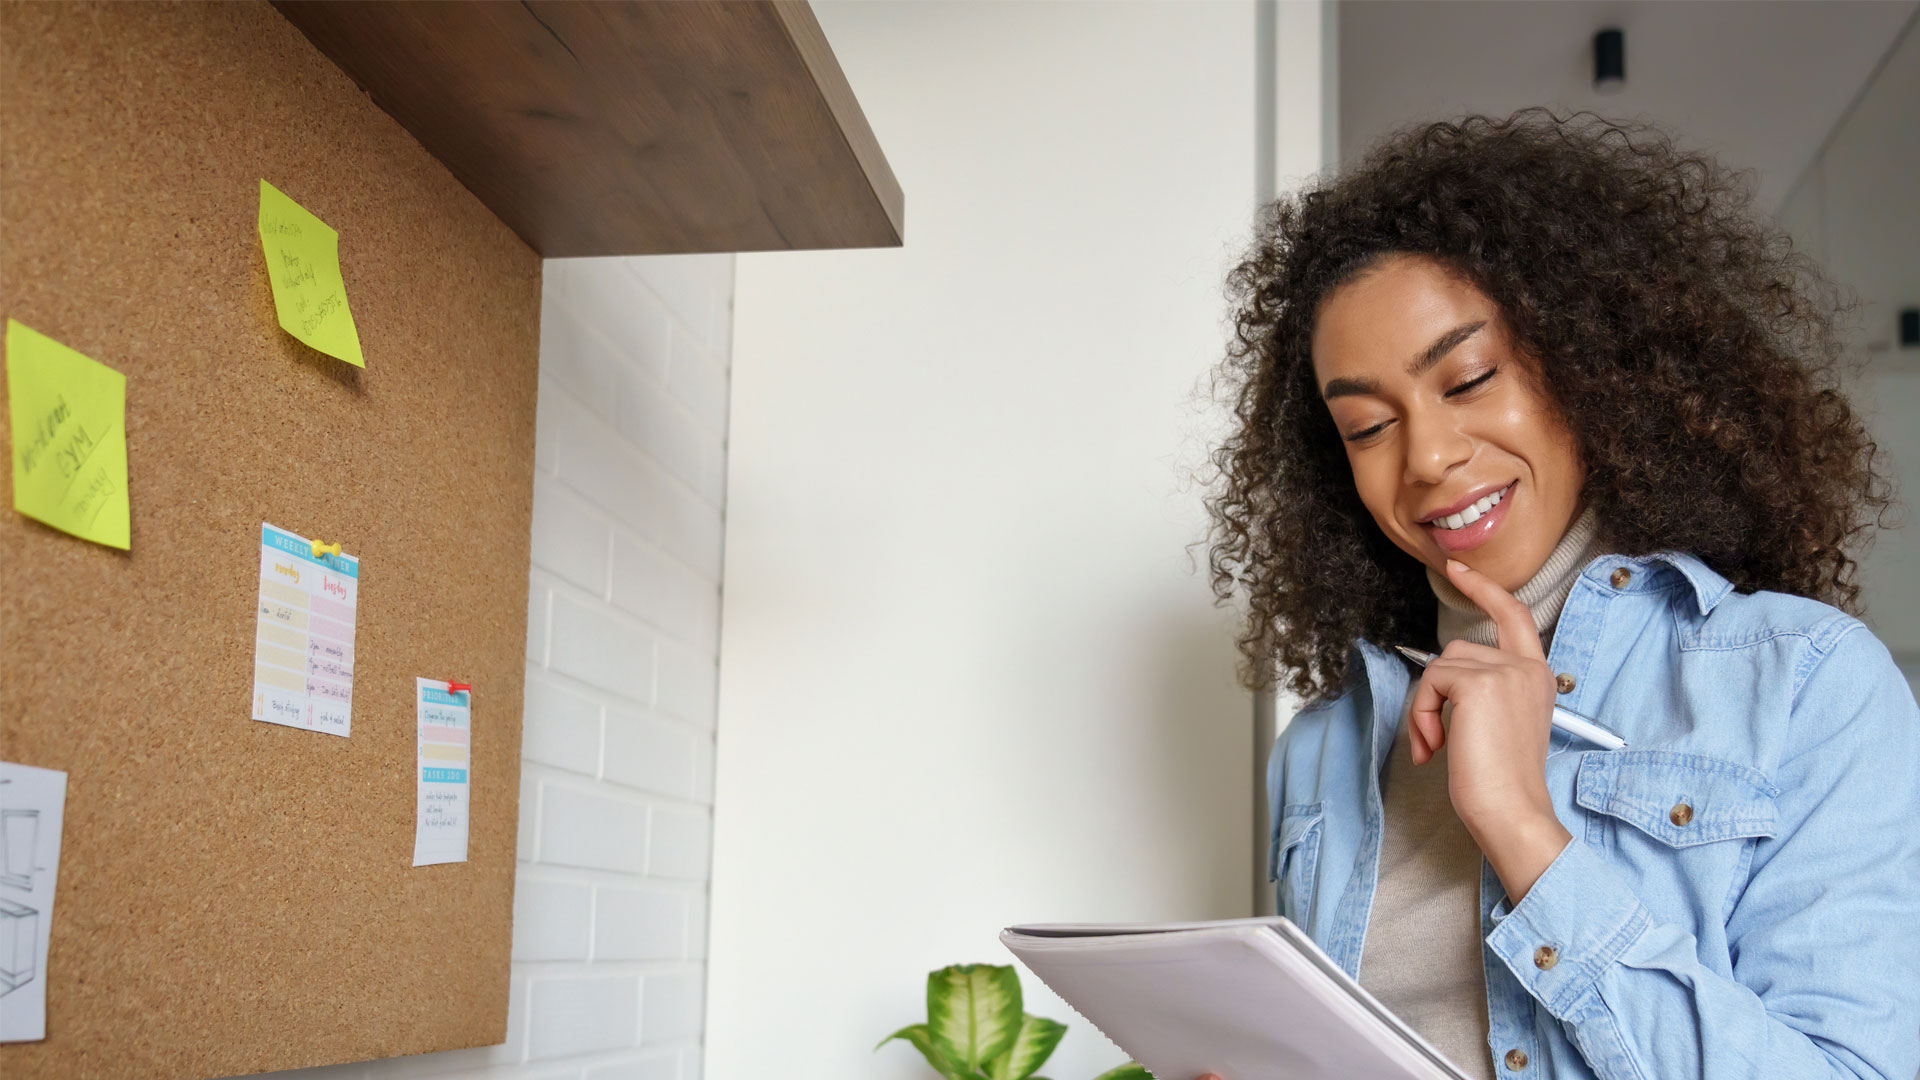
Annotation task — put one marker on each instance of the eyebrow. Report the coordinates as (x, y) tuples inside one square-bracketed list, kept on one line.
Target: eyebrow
[(1416, 367)]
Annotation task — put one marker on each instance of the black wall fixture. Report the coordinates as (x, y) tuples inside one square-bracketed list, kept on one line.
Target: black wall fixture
[(1609, 61)]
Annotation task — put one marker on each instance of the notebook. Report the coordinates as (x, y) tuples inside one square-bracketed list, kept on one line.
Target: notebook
[(1249, 999)]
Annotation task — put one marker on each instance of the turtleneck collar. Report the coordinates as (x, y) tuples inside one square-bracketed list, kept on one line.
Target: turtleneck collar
[(1544, 594)]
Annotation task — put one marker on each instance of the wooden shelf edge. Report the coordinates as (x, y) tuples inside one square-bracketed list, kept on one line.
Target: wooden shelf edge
[(627, 127), (796, 16)]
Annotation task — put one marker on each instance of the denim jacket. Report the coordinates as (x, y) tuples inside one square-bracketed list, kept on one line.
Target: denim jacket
[(1741, 896)]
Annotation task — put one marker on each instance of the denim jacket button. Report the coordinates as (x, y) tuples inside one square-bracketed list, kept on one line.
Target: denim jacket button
[(1621, 575), (1564, 682), (1545, 957), (1516, 1059), (1680, 814)]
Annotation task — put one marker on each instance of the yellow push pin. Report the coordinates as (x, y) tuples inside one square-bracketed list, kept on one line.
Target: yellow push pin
[(320, 549)]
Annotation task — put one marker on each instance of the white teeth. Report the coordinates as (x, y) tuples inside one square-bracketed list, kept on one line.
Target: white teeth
[(1472, 513)]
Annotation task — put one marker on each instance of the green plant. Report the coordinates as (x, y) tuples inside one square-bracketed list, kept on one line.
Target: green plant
[(977, 1030)]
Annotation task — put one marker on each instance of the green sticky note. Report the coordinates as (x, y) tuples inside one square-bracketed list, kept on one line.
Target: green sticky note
[(303, 262), (69, 416)]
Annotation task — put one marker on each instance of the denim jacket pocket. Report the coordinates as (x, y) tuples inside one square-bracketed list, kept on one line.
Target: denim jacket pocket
[(1681, 825), (1294, 857), (1678, 799)]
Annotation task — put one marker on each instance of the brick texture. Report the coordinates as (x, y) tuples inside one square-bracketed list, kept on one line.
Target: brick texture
[(616, 801)]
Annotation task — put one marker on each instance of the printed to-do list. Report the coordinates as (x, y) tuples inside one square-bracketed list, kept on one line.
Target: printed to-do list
[(446, 744), (303, 646)]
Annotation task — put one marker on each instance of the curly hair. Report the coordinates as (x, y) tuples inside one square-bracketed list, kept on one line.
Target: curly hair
[(1688, 346)]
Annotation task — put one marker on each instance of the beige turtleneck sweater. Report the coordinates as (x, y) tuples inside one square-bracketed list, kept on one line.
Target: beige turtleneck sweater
[(1422, 955)]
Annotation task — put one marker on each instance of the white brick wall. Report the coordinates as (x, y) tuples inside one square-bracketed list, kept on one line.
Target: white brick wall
[(616, 794)]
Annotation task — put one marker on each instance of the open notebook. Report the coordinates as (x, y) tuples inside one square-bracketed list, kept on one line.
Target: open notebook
[(1250, 999)]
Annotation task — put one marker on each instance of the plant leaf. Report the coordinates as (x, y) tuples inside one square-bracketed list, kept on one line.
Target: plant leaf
[(973, 1012), (1132, 1070), (922, 1041), (1031, 1048)]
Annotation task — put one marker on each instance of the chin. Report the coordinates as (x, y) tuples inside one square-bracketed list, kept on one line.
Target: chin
[(1512, 572)]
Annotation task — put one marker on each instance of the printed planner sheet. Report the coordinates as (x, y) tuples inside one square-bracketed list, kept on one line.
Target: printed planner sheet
[(303, 647), (446, 743)]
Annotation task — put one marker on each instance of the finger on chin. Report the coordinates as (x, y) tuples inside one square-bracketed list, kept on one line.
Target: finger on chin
[(1514, 629)]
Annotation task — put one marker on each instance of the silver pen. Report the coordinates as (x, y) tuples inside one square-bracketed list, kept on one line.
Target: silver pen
[(1565, 719)]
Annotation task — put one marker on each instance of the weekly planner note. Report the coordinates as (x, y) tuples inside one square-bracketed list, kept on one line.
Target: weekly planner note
[(68, 413), (446, 749), (303, 645)]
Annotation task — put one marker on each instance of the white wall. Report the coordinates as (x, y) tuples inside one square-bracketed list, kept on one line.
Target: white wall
[(610, 901), (1854, 210), (970, 676), (1758, 82), (1296, 141)]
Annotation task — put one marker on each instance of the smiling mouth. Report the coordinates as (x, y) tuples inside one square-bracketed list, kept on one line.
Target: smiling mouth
[(1471, 513), (1468, 534)]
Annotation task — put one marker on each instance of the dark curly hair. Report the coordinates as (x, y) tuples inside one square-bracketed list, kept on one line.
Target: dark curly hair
[(1678, 334)]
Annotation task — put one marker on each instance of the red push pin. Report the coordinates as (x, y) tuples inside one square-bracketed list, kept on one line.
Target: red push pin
[(454, 687)]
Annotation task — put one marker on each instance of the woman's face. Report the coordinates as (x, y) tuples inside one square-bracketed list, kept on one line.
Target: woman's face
[(1436, 412)]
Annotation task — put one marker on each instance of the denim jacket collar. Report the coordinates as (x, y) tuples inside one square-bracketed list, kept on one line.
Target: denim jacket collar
[(1709, 588)]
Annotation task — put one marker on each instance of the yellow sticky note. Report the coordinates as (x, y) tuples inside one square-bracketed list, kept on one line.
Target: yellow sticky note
[(69, 416), (303, 262)]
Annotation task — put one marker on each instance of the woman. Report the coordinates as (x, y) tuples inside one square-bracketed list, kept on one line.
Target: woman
[(1546, 395)]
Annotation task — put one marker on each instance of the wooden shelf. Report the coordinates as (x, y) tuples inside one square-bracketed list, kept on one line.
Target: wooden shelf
[(613, 127)]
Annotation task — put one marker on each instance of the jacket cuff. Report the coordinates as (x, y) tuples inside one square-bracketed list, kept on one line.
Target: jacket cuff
[(1582, 911)]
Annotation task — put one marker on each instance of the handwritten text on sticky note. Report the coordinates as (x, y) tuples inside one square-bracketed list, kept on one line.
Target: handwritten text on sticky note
[(303, 263), (68, 414)]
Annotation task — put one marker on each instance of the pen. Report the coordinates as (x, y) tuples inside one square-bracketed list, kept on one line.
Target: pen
[(1565, 719)]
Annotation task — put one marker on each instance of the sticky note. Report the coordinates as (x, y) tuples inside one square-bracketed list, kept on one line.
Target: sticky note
[(69, 414), (303, 263)]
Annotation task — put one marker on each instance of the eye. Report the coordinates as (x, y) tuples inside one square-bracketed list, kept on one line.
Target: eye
[(1359, 436), (1471, 383)]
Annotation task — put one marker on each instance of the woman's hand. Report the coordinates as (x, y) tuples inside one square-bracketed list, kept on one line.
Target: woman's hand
[(1499, 704)]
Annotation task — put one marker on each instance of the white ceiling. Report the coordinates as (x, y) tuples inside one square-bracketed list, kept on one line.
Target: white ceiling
[(1759, 82)]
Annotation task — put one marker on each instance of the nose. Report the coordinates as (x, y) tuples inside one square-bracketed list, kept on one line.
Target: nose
[(1435, 444)]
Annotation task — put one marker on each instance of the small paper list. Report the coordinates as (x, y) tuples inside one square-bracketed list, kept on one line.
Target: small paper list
[(445, 752)]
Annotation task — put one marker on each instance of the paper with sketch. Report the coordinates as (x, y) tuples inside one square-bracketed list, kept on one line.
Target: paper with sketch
[(303, 265), (32, 803), (445, 752), (303, 634), (68, 413)]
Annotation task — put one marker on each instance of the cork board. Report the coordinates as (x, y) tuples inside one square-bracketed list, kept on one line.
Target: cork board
[(236, 896)]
